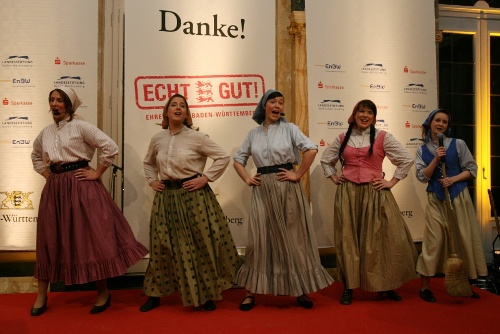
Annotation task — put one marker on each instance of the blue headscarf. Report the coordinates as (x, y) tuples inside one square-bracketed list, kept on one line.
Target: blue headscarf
[(427, 123), (259, 115)]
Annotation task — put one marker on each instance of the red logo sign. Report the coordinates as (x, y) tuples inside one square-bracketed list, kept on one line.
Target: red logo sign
[(152, 92)]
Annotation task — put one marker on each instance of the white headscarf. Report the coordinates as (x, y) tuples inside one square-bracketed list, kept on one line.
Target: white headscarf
[(75, 100)]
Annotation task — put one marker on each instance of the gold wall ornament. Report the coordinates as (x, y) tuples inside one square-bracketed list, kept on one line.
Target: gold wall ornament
[(439, 36), (297, 29), (16, 200)]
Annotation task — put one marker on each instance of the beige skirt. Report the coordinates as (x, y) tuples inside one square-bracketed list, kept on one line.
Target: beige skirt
[(375, 250), (282, 255), (435, 245)]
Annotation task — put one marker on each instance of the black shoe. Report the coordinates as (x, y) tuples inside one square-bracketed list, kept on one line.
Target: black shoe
[(475, 295), (150, 304), (209, 306), (346, 298), (391, 294), (305, 302), (36, 311), (247, 306), (427, 295), (98, 309)]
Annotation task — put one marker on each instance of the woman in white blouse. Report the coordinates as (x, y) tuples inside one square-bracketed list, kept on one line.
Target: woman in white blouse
[(82, 235), (191, 247), (375, 250), (281, 257)]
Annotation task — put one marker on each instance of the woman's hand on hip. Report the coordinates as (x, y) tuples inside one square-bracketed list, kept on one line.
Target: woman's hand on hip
[(196, 183), (157, 185), (287, 175), (87, 174)]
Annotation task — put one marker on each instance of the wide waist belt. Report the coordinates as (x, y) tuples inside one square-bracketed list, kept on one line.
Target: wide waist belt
[(61, 168), (273, 169), (177, 184)]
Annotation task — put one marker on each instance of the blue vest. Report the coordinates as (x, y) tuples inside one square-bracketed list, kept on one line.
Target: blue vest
[(452, 168)]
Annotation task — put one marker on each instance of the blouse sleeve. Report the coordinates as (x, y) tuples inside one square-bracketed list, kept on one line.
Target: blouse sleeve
[(37, 155), (244, 152), (420, 165), (330, 158), (149, 162), (98, 139), (221, 159), (398, 156), (300, 139), (467, 161)]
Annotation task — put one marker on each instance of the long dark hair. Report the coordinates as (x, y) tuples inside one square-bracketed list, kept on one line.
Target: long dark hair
[(369, 105)]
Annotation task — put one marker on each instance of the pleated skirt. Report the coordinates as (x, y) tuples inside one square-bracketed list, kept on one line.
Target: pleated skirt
[(192, 250), (281, 257), (82, 235), (375, 250), (435, 244)]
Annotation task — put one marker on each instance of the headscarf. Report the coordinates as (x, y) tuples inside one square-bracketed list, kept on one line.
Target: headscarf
[(75, 100), (427, 123), (259, 115)]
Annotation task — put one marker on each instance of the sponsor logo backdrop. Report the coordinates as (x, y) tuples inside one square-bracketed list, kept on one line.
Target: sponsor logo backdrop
[(378, 50), (44, 44), (221, 56)]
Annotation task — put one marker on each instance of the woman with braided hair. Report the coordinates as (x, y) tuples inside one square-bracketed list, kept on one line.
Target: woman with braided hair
[(374, 247)]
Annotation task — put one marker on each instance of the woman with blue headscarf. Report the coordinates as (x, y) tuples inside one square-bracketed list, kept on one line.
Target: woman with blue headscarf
[(460, 166), (281, 257)]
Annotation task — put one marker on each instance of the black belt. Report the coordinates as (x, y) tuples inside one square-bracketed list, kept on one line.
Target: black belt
[(177, 184), (61, 168), (273, 169)]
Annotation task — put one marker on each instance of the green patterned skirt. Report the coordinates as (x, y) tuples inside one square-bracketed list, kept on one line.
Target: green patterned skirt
[(191, 247)]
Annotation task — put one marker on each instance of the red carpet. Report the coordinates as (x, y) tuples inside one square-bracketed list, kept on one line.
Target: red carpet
[(68, 312)]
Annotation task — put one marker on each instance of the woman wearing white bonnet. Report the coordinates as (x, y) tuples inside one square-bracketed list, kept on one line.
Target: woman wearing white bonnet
[(75, 100), (82, 235)]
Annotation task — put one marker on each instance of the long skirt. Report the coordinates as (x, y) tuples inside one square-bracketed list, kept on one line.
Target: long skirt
[(375, 250), (435, 244), (282, 256), (192, 250), (82, 235)]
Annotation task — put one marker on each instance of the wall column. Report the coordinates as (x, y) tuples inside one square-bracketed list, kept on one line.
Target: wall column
[(299, 80)]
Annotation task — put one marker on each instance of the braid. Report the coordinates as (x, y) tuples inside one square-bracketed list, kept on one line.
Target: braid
[(344, 142), (372, 138)]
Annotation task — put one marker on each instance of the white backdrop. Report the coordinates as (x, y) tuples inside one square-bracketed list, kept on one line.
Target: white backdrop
[(44, 44), (221, 55), (381, 50)]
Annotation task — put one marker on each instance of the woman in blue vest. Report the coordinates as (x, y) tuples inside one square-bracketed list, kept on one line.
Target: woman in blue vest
[(460, 166)]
